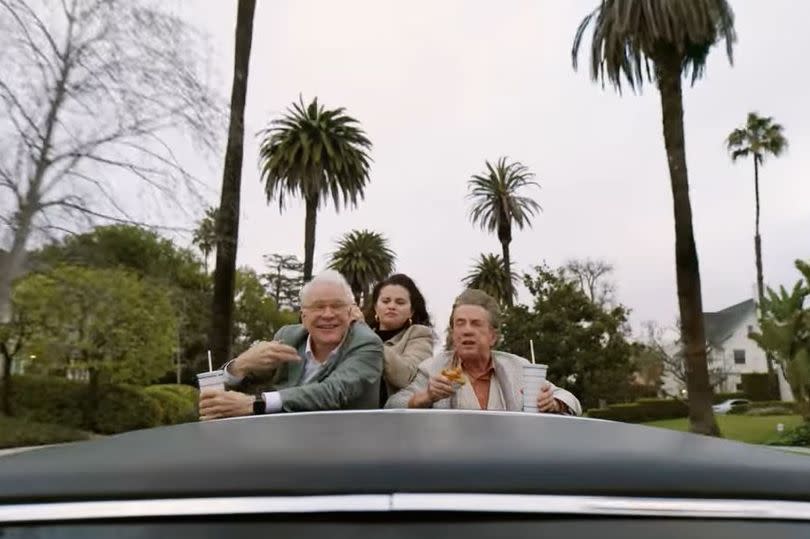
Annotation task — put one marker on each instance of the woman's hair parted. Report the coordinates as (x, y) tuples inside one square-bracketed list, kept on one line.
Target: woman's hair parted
[(420, 314)]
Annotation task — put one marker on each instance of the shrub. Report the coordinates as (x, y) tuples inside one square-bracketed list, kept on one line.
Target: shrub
[(642, 411), (122, 408), (759, 386), (47, 399), (16, 432), (174, 407), (119, 408), (798, 436), (764, 408), (189, 393)]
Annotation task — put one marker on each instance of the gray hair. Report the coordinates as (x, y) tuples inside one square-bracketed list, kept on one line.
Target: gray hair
[(474, 296), (328, 277)]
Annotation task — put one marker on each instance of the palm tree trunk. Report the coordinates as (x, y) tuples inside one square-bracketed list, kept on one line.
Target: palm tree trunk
[(505, 237), (228, 221), (309, 235), (758, 255), (690, 302)]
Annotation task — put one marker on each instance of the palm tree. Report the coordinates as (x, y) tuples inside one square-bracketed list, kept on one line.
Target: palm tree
[(228, 222), (316, 153), (497, 204), (364, 258), (759, 137), (489, 274), (674, 38), (205, 235)]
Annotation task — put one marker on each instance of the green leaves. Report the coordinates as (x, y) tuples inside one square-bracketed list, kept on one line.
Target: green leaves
[(496, 200), (489, 274), (629, 34), (785, 331), (364, 258), (107, 320), (759, 137), (314, 151), (583, 343)]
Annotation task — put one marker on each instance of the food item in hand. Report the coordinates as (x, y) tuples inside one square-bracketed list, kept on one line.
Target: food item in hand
[(454, 375)]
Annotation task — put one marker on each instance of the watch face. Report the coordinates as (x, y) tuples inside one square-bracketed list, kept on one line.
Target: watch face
[(259, 407)]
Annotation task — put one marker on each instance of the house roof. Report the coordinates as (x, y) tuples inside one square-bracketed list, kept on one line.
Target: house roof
[(721, 324)]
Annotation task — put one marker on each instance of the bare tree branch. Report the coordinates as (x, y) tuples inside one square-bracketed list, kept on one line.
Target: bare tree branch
[(93, 91)]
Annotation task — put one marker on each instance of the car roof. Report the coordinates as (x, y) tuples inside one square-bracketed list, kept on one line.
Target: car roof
[(402, 451)]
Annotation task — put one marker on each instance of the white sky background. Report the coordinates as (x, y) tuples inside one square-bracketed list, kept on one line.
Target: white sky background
[(441, 86)]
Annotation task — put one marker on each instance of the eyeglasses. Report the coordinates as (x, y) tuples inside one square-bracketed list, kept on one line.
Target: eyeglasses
[(320, 308)]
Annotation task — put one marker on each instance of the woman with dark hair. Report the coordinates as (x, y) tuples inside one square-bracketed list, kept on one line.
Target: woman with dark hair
[(397, 313)]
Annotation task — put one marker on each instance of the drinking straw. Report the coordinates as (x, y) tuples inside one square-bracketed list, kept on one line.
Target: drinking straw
[(531, 344), (211, 366)]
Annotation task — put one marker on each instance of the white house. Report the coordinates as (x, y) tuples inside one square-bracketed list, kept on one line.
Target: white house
[(732, 352)]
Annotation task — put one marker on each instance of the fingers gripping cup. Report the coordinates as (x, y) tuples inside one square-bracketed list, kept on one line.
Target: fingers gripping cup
[(534, 375), (212, 380)]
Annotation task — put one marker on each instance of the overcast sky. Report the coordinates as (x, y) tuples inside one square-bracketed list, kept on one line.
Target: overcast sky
[(442, 86)]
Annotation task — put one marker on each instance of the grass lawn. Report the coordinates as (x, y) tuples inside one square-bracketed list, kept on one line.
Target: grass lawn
[(743, 428), (18, 433)]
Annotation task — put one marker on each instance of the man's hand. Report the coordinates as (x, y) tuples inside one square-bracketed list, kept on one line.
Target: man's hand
[(262, 358), (439, 387), (216, 404), (547, 403)]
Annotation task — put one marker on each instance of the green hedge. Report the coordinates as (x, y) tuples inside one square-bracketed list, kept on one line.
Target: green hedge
[(48, 400), (759, 386), (119, 408), (17, 432), (797, 437), (175, 408), (123, 408), (189, 393), (642, 411)]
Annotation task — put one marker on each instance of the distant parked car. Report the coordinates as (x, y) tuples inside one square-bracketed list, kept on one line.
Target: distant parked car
[(729, 405)]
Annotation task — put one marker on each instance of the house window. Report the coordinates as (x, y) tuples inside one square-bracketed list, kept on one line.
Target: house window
[(750, 329), (739, 357)]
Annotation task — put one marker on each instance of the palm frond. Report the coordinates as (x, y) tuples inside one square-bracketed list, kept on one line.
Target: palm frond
[(759, 137), (315, 153), (490, 275), (496, 199), (629, 34), (364, 258)]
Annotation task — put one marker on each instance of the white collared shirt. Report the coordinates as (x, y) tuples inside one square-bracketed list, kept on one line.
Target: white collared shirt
[(312, 367)]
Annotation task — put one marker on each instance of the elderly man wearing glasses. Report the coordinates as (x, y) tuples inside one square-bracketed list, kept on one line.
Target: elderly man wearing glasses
[(328, 362)]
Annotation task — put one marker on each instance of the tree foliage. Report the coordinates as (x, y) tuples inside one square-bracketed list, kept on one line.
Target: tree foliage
[(498, 204), (785, 332), (257, 317), (364, 258), (594, 278), (489, 274), (107, 321), (584, 345), (92, 91), (205, 235), (315, 153), (284, 279)]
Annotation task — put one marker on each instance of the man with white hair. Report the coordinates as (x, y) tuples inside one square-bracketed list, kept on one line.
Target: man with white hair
[(328, 362)]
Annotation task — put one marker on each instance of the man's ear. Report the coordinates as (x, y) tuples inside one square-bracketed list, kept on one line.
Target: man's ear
[(496, 338)]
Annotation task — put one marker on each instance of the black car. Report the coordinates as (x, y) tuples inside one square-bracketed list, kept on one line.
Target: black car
[(406, 474)]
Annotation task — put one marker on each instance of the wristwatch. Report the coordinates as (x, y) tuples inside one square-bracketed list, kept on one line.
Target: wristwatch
[(259, 405)]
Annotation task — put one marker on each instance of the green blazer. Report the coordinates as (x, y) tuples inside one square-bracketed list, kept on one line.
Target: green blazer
[(350, 380)]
